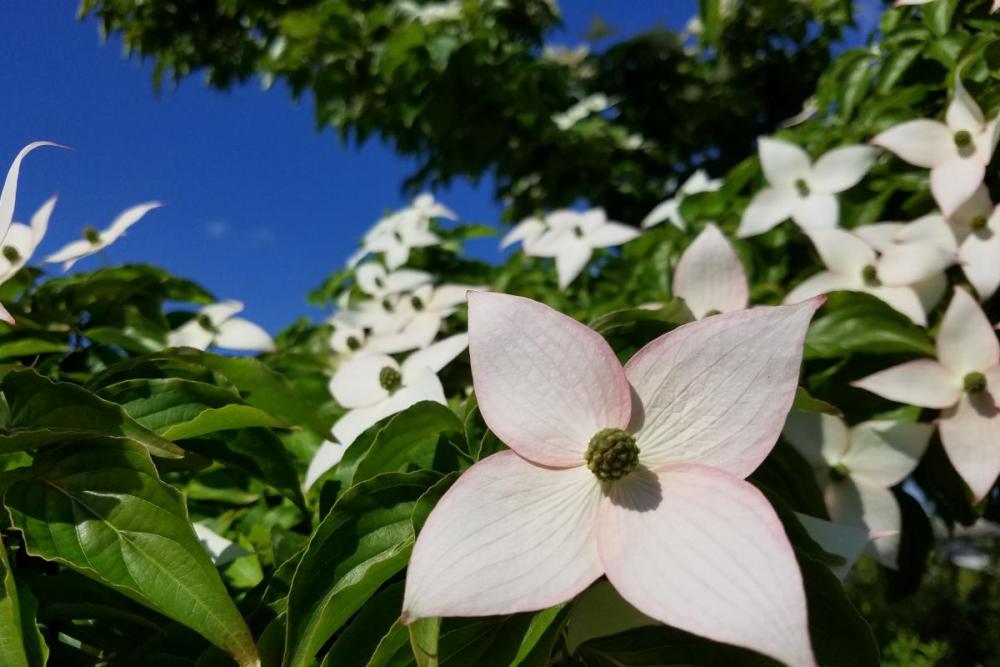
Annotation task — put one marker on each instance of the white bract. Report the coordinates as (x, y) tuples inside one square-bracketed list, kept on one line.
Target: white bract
[(709, 276), (841, 539), (801, 189), (526, 233), (572, 237), (22, 240), (375, 386), (855, 468), (956, 151), (373, 279), (671, 208), (964, 381), (95, 241), (906, 276), (222, 551), (328, 455), (397, 235), (586, 107), (656, 501), (216, 325)]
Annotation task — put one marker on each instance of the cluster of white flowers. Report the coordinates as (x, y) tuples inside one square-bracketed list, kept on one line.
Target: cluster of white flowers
[(390, 311)]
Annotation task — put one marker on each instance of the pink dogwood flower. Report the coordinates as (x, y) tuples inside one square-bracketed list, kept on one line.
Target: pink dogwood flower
[(636, 473), (710, 277), (964, 381), (956, 151)]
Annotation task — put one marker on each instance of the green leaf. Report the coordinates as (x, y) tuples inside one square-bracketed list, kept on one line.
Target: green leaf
[(364, 540), (851, 322), (98, 507), (662, 646), (21, 643), (807, 403), (362, 637), (409, 439), (711, 19), (424, 641), (44, 412), (26, 347)]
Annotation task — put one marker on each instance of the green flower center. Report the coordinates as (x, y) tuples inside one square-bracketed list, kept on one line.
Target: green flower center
[(10, 253), (417, 303), (390, 379), (869, 273), (91, 235), (578, 232), (978, 222), (963, 139), (611, 454), (802, 187), (974, 382), (839, 472), (205, 322), (353, 343)]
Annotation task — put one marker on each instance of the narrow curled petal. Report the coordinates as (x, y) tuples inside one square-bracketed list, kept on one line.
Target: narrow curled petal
[(665, 210), (855, 502), (239, 334), (703, 551), (217, 313), (817, 211), (526, 231), (782, 162), (841, 168), (8, 196), (767, 208), (545, 383), (924, 143), (884, 452), (356, 382), (328, 455), (821, 439), (611, 234), (436, 356), (970, 433), (717, 391), (966, 341), (126, 219), (70, 253), (923, 382), (426, 387), (710, 275), (508, 536), (953, 182), (980, 259)]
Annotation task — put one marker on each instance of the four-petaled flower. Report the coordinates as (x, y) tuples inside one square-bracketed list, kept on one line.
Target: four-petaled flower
[(856, 466), (22, 241), (964, 381), (801, 189), (94, 241), (634, 473), (710, 277), (670, 209), (216, 325), (956, 151), (573, 236)]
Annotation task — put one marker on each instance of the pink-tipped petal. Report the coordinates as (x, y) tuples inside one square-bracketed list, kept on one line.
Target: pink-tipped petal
[(545, 383), (970, 433), (953, 182), (852, 501), (966, 341), (924, 143), (703, 551), (821, 439), (710, 275), (767, 208), (923, 382), (5, 316), (782, 162), (717, 391), (841, 168), (883, 453), (817, 211), (508, 536)]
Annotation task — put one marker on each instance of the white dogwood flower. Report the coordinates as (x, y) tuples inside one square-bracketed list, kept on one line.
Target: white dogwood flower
[(671, 208), (710, 277), (573, 236), (216, 325), (801, 189), (94, 241), (526, 232), (22, 240), (373, 279), (588, 106)]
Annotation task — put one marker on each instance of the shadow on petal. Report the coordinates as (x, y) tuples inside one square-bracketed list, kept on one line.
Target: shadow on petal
[(984, 402), (639, 492)]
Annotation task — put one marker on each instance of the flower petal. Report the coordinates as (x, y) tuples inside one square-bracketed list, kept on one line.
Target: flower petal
[(923, 382), (611, 234), (874, 507), (840, 539), (823, 282), (954, 181), (436, 356), (703, 551), (980, 258), (904, 300), (239, 334), (217, 313), (570, 262), (526, 231), (8, 196), (841, 251), (426, 387), (907, 263), (545, 383), (709, 275), (356, 383), (508, 536), (126, 219), (963, 112), (665, 210), (884, 452), (328, 455), (417, 334), (841, 168), (221, 550), (190, 334), (717, 391), (924, 143), (820, 438), (5, 316), (782, 162), (970, 433), (966, 341), (880, 235), (767, 208), (817, 211)]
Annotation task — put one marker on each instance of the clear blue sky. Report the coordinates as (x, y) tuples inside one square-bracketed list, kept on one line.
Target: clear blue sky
[(259, 206)]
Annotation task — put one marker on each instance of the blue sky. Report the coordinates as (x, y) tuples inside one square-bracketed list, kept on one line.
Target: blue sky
[(259, 205)]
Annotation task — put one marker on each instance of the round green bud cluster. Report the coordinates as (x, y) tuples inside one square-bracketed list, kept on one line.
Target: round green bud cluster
[(869, 273), (978, 222), (390, 378), (839, 472), (802, 187), (974, 382), (11, 254), (612, 454), (963, 138), (91, 235)]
